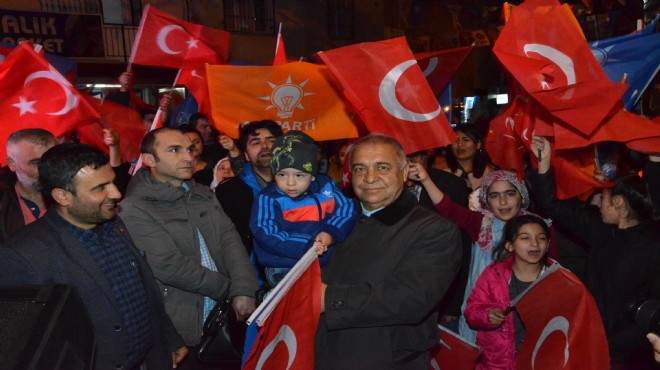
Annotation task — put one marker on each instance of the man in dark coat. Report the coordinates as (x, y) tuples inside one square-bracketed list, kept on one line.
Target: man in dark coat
[(382, 285), (80, 242)]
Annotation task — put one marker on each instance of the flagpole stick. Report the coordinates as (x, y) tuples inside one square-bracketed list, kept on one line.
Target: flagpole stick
[(277, 43), (159, 113)]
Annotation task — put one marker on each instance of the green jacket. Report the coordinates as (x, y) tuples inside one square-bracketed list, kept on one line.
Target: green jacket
[(163, 220)]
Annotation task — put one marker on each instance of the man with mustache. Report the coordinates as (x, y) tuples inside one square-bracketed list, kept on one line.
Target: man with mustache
[(382, 285), (80, 242), (192, 246), (236, 195)]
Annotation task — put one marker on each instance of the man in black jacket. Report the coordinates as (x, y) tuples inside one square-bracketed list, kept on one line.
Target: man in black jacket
[(80, 242), (382, 285)]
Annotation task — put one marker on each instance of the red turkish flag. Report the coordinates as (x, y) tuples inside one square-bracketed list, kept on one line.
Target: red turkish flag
[(126, 121), (621, 127), (166, 41), (195, 80), (543, 49), (503, 144), (563, 326), (33, 94), (574, 172), (390, 93), (286, 340), (440, 66), (280, 52), (453, 352)]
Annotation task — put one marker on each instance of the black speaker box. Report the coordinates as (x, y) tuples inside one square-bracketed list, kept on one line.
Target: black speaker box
[(44, 327)]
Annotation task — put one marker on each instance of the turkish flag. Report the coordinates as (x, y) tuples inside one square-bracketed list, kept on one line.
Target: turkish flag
[(503, 144), (563, 326), (574, 172), (280, 52), (195, 80), (33, 94), (546, 53), (166, 41), (385, 85), (621, 127), (286, 339), (440, 66), (126, 121), (454, 352), (297, 95), (66, 66)]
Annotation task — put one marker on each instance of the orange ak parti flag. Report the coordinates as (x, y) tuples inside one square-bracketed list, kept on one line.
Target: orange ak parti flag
[(541, 46), (297, 95), (385, 85), (33, 94), (166, 41)]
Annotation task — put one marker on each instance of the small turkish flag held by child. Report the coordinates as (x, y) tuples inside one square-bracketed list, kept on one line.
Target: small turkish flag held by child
[(286, 337), (564, 329)]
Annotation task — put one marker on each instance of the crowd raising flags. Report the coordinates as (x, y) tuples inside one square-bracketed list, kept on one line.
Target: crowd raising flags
[(566, 96), (569, 91)]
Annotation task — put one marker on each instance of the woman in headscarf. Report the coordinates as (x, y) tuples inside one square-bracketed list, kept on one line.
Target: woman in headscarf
[(503, 196)]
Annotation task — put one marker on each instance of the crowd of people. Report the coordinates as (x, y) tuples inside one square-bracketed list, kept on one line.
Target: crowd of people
[(411, 243)]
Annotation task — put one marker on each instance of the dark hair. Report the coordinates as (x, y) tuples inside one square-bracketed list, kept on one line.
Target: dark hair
[(511, 230), (248, 129), (60, 164), (188, 128), (635, 191), (480, 161), (192, 121), (148, 144)]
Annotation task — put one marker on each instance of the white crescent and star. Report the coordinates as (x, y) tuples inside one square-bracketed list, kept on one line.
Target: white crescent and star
[(524, 134), (288, 337), (563, 61), (70, 103), (391, 104), (161, 39), (557, 323)]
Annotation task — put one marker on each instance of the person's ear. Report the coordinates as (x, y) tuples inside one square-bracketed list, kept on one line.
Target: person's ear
[(618, 201), (11, 164), (149, 159), (63, 197), (508, 246)]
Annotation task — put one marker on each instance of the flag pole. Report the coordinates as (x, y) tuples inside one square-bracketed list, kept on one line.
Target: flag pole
[(138, 37), (154, 124), (279, 35)]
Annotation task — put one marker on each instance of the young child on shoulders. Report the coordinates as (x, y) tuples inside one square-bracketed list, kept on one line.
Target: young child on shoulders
[(299, 210), (520, 259)]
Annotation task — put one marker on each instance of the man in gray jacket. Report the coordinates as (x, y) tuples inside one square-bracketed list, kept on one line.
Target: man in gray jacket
[(192, 246)]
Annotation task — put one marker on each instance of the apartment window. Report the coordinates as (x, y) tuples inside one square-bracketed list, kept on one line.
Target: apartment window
[(341, 15), (250, 16)]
